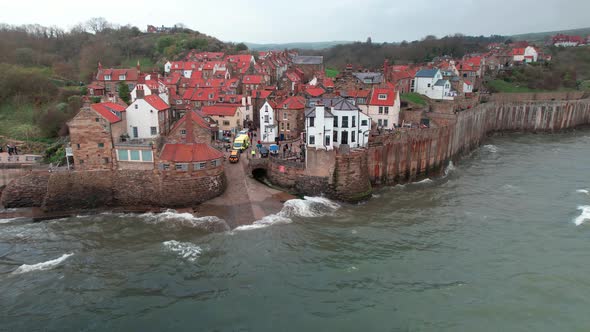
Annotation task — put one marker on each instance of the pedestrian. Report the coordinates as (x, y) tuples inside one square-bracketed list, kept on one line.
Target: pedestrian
[(15, 151), (9, 149), (253, 153)]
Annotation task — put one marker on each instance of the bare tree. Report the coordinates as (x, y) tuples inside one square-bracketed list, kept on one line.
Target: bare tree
[(97, 24)]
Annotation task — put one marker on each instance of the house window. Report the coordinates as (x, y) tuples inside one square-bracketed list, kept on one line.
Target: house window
[(311, 139), (225, 122), (164, 167), (78, 146), (183, 132), (266, 118), (382, 96), (352, 137), (335, 137), (105, 160), (380, 109), (123, 154), (181, 167), (312, 121), (380, 123), (97, 119), (135, 132), (386, 109), (327, 140), (136, 106), (153, 131), (282, 126), (288, 126), (429, 85), (385, 122), (101, 145), (247, 117), (344, 122), (215, 163), (134, 155), (121, 77), (266, 108), (146, 155), (364, 123), (285, 115), (107, 77), (335, 122), (353, 121)]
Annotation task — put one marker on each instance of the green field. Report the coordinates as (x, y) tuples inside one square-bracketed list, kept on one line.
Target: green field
[(330, 72), (503, 86), (414, 98)]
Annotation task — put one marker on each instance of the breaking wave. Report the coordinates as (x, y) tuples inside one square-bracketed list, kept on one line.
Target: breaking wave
[(184, 219), (41, 266), (9, 220), (450, 168), (308, 207), (585, 215), (490, 148), (425, 181), (186, 250), (583, 191)]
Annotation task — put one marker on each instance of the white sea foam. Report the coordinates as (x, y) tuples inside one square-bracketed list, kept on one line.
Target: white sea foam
[(585, 215), (185, 250), (450, 168), (308, 207), (583, 191), (425, 181), (490, 148), (184, 219), (41, 266), (9, 220)]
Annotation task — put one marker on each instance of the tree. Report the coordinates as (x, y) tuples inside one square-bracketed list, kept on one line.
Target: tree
[(124, 92), (97, 24), (241, 47), (369, 41)]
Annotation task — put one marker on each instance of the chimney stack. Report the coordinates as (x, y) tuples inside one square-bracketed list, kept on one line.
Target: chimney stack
[(139, 92), (188, 125)]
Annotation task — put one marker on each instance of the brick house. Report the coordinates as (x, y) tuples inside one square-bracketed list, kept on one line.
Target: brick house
[(106, 81), (252, 82), (202, 130), (290, 117), (92, 133)]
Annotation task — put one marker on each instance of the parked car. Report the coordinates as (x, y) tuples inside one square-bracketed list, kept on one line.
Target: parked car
[(234, 156), (263, 152)]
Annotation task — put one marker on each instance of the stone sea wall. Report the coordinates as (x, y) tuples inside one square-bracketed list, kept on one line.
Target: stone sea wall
[(405, 155), (63, 191)]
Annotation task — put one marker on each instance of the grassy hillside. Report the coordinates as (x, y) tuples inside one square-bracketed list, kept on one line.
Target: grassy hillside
[(541, 36)]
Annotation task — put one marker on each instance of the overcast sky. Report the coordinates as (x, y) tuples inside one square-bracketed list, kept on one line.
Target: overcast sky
[(264, 21)]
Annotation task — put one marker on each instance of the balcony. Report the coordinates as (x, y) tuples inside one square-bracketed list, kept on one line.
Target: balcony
[(138, 142)]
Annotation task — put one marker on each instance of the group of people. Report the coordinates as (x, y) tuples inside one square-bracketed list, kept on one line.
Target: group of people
[(11, 149)]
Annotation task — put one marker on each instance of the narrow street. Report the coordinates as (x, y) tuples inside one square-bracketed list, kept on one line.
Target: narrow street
[(245, 200)]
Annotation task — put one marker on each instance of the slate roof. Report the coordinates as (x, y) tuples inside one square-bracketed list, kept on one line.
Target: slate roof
[(375, 78), (308, 60), (440, 83), (427, 72)]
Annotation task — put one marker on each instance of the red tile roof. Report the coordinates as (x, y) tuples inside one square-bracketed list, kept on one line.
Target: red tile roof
[(220, 109), (131, 74), (252, 79), (263, 93), (518, 51), (195, 118), (358, 93), (293, 103), (388, 101), (314, 91), (106, 110), (156, 102), (189, 153)]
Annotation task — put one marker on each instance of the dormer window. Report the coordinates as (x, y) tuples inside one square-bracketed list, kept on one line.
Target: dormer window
[(121, 77), (107, 77), (266, 108), (382, 96), (285, 106), (210, 96)]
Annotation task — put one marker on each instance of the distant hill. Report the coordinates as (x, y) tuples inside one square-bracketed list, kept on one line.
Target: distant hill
[(302, 45), (540, 36)]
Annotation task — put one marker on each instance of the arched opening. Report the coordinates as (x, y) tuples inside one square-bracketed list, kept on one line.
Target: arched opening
[(259, 174)]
